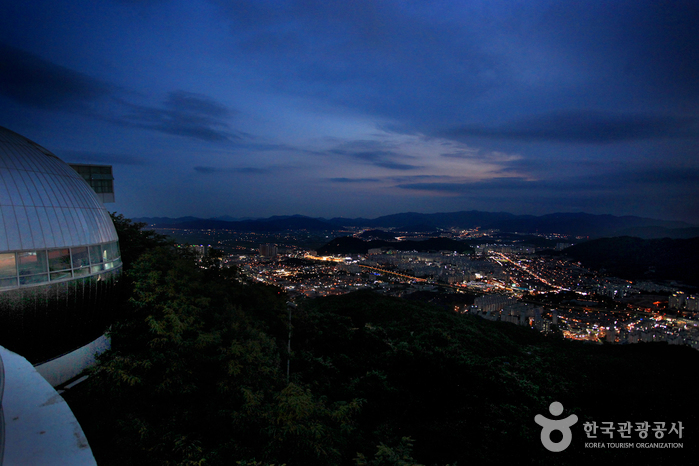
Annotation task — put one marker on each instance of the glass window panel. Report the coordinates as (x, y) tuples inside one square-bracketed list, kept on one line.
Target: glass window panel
[(57, 192), (80, 257), (4, 190), (11, 187), (3, 235), (96, 254), (77, 234), (34, 189), (24, 228), (55, 226), (59, 259), (18, 178), (83, 224), (97, 268), (49, 239), (8, 267), (81, 272), (8, 282), (31, 279), (13, 238), (32, 262), (60, 275), (42, 188), (63, 225), (112, 251), (35, 227)]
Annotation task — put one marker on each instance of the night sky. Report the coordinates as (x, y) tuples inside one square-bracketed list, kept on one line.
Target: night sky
[(364, 108)]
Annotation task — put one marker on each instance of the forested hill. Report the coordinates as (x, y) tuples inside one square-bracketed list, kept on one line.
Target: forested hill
[(576, 224), (636, 258), (196, 375)]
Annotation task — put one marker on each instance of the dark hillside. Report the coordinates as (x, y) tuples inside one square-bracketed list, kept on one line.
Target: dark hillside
[(636, 258), (197, 375), (467, 390), (352, 245)]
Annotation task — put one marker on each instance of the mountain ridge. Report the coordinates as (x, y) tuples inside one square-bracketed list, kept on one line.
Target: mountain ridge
[(566, 223)]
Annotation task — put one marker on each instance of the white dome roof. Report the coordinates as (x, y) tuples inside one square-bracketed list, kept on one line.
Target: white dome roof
[(44, 203)]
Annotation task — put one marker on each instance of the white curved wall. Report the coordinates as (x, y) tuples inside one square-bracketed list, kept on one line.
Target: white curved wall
[(44, 203)]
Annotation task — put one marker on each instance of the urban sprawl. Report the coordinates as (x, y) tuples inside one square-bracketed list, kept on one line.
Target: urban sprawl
[(498, 281)]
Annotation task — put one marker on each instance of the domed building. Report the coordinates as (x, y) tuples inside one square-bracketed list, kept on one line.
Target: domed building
[(59, 254)]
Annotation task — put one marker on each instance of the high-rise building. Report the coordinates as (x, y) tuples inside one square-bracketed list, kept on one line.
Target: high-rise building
[(677, 300), (268, 250), (100, 179)]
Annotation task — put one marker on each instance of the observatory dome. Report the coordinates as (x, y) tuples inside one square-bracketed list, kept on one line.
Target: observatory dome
[(59, 253)]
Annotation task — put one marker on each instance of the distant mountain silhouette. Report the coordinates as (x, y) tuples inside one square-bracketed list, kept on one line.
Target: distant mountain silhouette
[(164, 220), (650, 232), (576, 224), (378, 234), (417, 228), (264, 225)]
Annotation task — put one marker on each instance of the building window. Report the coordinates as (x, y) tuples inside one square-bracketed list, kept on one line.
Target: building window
[(96, 254), (80, 257), (32, 267), (32, 262), (8, 270), (59, 259)]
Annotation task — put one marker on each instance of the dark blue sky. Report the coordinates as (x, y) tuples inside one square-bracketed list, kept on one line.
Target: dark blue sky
[(364, 108)]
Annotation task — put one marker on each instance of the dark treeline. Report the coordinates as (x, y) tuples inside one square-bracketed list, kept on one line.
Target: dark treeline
[(636, 258), (352, 245), (197, 375)]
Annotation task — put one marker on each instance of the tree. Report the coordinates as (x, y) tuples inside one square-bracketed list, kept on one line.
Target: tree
[(134, 240), (193, 377)]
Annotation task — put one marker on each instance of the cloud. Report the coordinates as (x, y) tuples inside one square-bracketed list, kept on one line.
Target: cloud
[(391, 165), (375, 153), (648, 184), (425, 65), (414, 178), (461, 154), (185, 114), (101, 158), (585, 127), (31, 80), (241, 170), (354, 180), (470, 187)]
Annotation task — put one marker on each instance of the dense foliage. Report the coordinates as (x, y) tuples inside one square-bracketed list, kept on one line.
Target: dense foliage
[(197, 375), (636, 258)]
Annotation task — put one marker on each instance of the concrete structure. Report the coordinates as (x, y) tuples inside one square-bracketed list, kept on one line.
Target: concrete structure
[(39, 427), (100, 179)]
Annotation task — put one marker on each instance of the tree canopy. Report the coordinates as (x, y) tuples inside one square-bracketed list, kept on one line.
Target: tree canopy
[(197, 376)]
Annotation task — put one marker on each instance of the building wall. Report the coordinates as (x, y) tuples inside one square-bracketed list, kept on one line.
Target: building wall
[(59, 255)]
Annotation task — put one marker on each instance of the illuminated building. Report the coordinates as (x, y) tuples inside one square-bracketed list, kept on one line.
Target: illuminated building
[(268, 250), (59, 269), (59, 254)]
